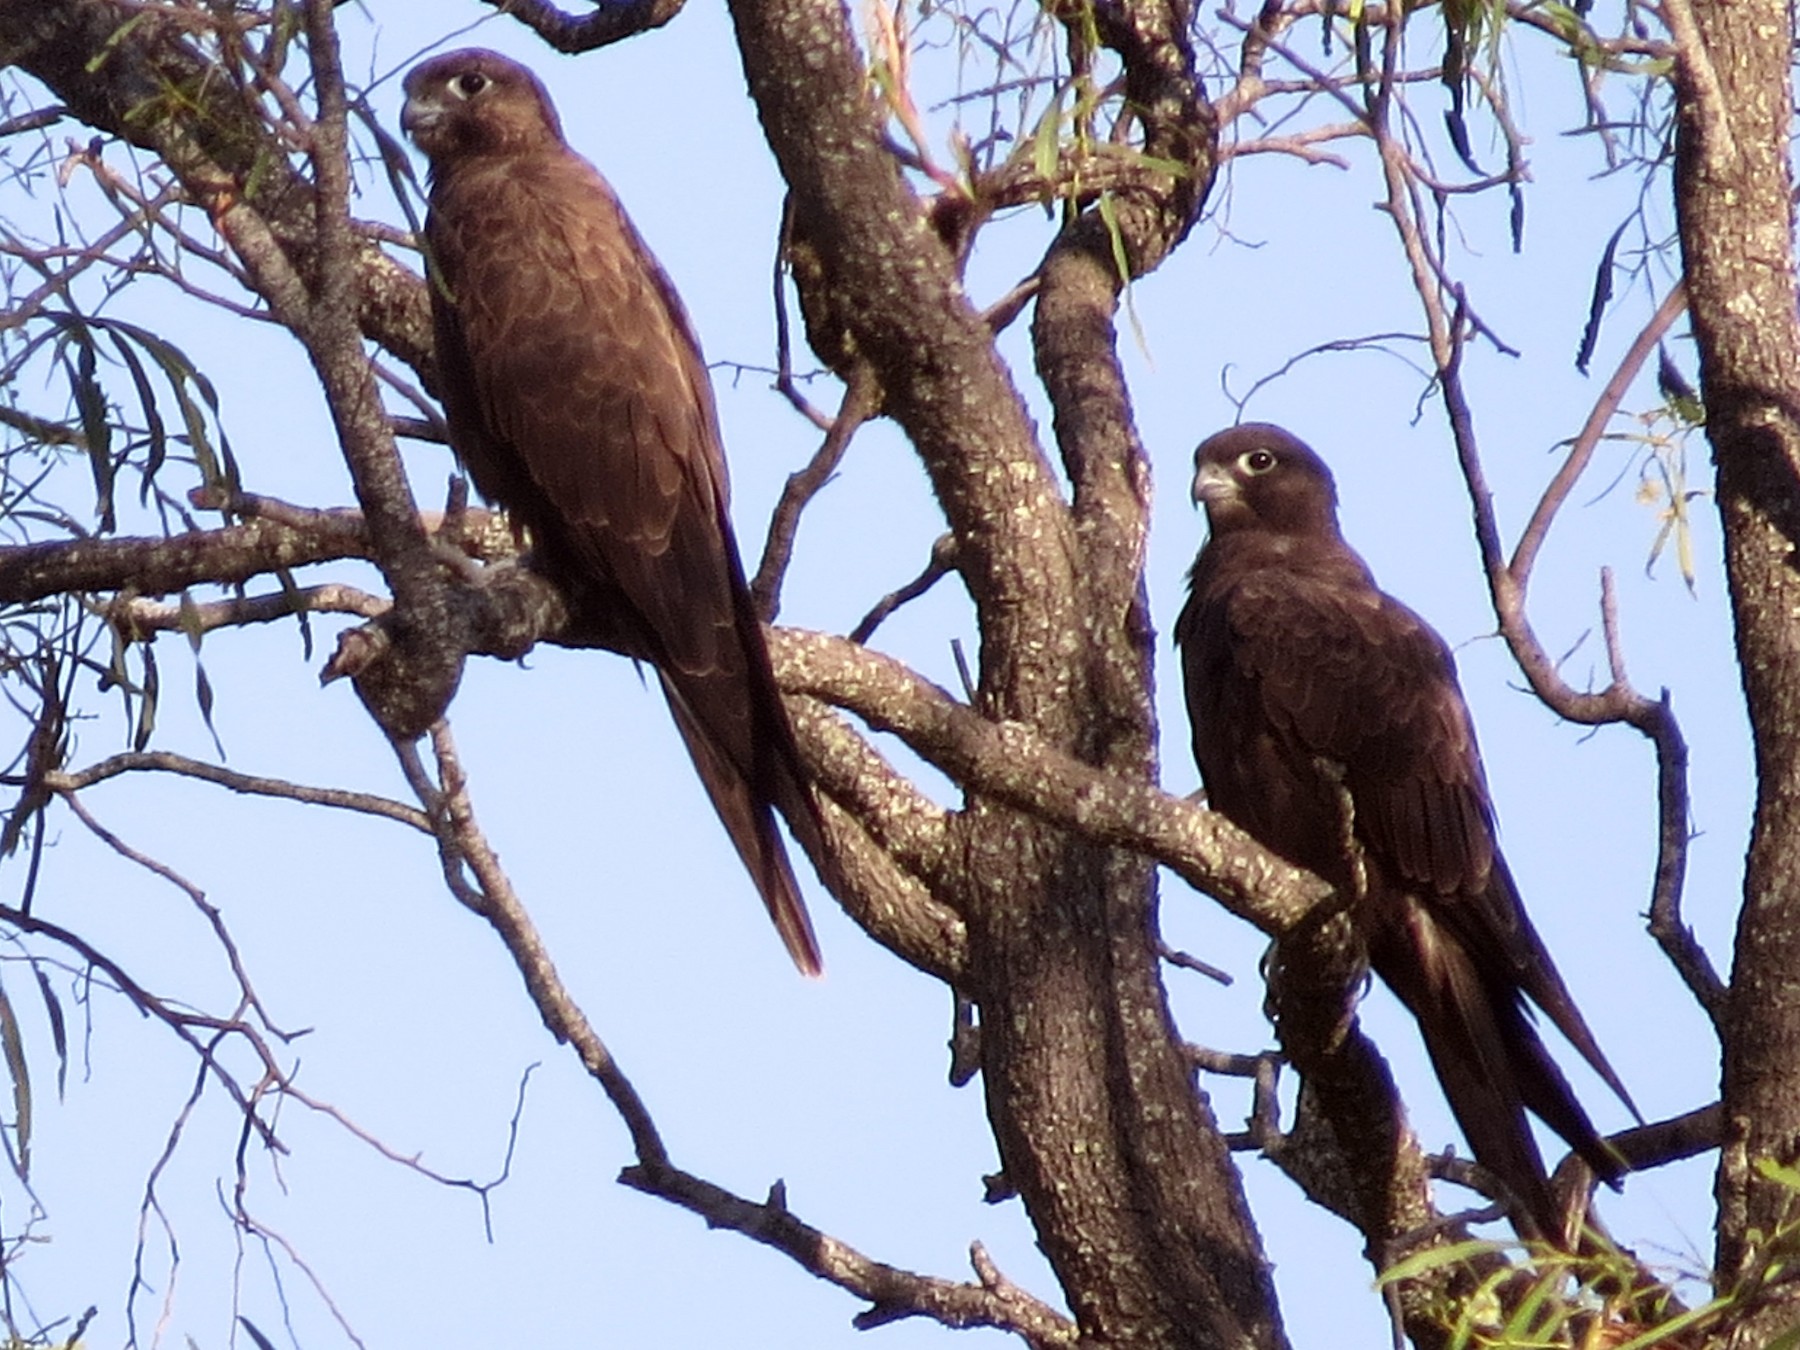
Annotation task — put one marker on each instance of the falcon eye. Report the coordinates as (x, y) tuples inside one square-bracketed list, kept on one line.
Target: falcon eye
[(470, 84), (1257, 461)]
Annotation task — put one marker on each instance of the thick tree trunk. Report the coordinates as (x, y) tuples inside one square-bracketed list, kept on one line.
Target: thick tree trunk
[(1129, 1184), (1134, 1197), (1733, 202)]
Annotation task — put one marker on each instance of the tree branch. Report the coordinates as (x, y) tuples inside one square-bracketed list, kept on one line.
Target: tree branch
[(612, 21), (486, 890), (1011, 763), (164, 761), (893, 1293)]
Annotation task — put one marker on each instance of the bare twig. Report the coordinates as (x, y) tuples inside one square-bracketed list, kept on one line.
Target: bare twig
[(163, 761), (1581, 449), (943, 562), (1184, 961), (186, 1025), (892, 1293), (858, 403), (489, 892)]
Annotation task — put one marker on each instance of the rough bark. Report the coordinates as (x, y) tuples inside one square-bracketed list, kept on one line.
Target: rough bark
[(1732, 195), (1116, 1158)]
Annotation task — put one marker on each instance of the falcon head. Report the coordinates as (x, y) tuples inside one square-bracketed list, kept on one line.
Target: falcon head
[(1258, 476), (477, 102)]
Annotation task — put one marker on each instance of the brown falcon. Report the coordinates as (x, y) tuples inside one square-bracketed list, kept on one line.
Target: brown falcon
[(1313, 696), (578, 400)]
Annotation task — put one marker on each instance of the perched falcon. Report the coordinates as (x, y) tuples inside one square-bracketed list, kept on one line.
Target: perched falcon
[(578, 400), (1314, 696)]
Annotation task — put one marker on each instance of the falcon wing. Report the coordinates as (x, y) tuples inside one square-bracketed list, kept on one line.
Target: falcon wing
[(576, 393), (1313, 670), (586, 387)]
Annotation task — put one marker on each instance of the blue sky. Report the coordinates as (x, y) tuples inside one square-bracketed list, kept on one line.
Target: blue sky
[(419, 1030)]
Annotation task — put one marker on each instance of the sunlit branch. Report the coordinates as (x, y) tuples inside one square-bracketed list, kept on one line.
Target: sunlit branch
[(889, 845), (892, 1293), (1009, 762), (1270, 20), (165, 565), (136, 615), (1581, 449)]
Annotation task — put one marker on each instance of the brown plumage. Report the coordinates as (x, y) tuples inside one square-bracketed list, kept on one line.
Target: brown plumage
[(578, 400), (1306, 683)]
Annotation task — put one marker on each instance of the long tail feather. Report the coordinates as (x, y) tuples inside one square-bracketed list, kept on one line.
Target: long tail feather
[(748, 815), (1490, 1060)]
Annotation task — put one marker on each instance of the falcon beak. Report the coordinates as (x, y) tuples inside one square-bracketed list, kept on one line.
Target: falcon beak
[(1214, 483), (417, 116)]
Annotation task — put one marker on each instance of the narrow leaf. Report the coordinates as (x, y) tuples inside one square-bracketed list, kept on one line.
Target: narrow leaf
[(12, 1044), (1603, 289), (59, 1031), (146, 719)]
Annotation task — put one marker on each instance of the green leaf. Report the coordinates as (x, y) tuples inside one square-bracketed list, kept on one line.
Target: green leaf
[(1109, 216), (96, 427), (1675, 1325), (1780, 1173), (1046, 138), (1437, 1258), (155, 431)]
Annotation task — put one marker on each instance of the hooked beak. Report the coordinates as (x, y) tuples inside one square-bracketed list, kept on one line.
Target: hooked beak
[(417, 116), (1213, 484)]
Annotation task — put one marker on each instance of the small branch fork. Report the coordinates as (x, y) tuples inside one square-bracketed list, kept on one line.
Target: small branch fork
[(859, 403)]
